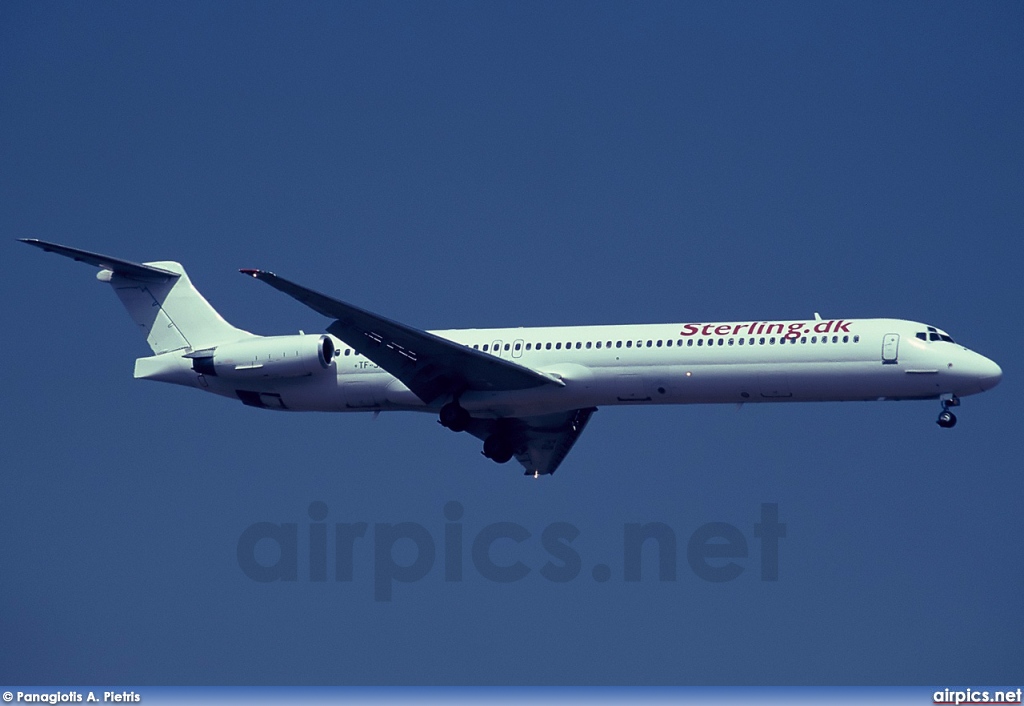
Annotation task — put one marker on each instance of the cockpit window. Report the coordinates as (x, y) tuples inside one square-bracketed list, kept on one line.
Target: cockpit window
[(933, 334)]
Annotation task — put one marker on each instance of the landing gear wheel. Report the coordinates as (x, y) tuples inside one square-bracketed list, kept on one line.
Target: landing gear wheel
[(498, 448), (454, 417), (947, 420)]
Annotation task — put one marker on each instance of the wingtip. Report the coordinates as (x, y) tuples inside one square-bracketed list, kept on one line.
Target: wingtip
[(251, 272)]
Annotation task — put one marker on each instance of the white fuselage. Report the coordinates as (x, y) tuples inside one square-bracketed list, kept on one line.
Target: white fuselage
[(778, 361), (527, 393)]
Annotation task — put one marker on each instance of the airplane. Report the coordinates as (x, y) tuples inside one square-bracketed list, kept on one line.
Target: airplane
[(527, 393)]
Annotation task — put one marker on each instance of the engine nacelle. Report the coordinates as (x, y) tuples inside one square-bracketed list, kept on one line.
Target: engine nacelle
[(267, 357)]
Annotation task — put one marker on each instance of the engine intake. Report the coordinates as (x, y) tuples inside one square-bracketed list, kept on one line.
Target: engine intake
[(267, 357)]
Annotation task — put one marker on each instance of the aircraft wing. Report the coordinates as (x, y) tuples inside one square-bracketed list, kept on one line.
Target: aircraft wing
[(541, 442), (427, 364)]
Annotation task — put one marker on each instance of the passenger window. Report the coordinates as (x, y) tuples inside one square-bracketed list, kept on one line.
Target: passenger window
[(846, 339), (856, 339), (558, 346), (485, 347), (588, 345), (578, 345), (835, 339), (803, 339), (506, 346), (689, 343), (518, 346), (348, 351), (598, 344), (730, 341), (528, 346), (618, 344), (741, 341), (700, 341), (650, 343), (771, 341)]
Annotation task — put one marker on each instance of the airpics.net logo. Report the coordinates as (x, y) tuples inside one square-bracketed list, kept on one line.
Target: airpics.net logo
[(499, 552), (977, 696)]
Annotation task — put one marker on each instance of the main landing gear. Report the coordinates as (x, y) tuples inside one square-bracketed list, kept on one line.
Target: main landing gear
[(499, 446), (453, 416), (947, 420)]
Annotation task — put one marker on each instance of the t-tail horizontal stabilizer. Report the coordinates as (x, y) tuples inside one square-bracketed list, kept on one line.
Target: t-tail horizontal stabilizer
[(125, 268), (160, 298)]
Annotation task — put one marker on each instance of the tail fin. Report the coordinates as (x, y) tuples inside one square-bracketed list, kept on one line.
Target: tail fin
[(160, 298), (173, 314)]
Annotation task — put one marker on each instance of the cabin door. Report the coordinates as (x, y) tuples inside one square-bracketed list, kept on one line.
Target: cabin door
[(890, 348)]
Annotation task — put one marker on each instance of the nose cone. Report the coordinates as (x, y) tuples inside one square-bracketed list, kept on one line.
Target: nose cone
[(972, 373), (989, 373)]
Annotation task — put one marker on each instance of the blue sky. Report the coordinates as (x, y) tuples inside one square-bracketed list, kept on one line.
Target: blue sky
[(506, 164)]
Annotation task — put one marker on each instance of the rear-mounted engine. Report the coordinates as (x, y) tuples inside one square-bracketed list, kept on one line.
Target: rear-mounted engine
[(266, 357)]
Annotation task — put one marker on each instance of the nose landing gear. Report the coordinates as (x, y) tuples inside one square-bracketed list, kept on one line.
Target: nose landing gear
[(947, 420)]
